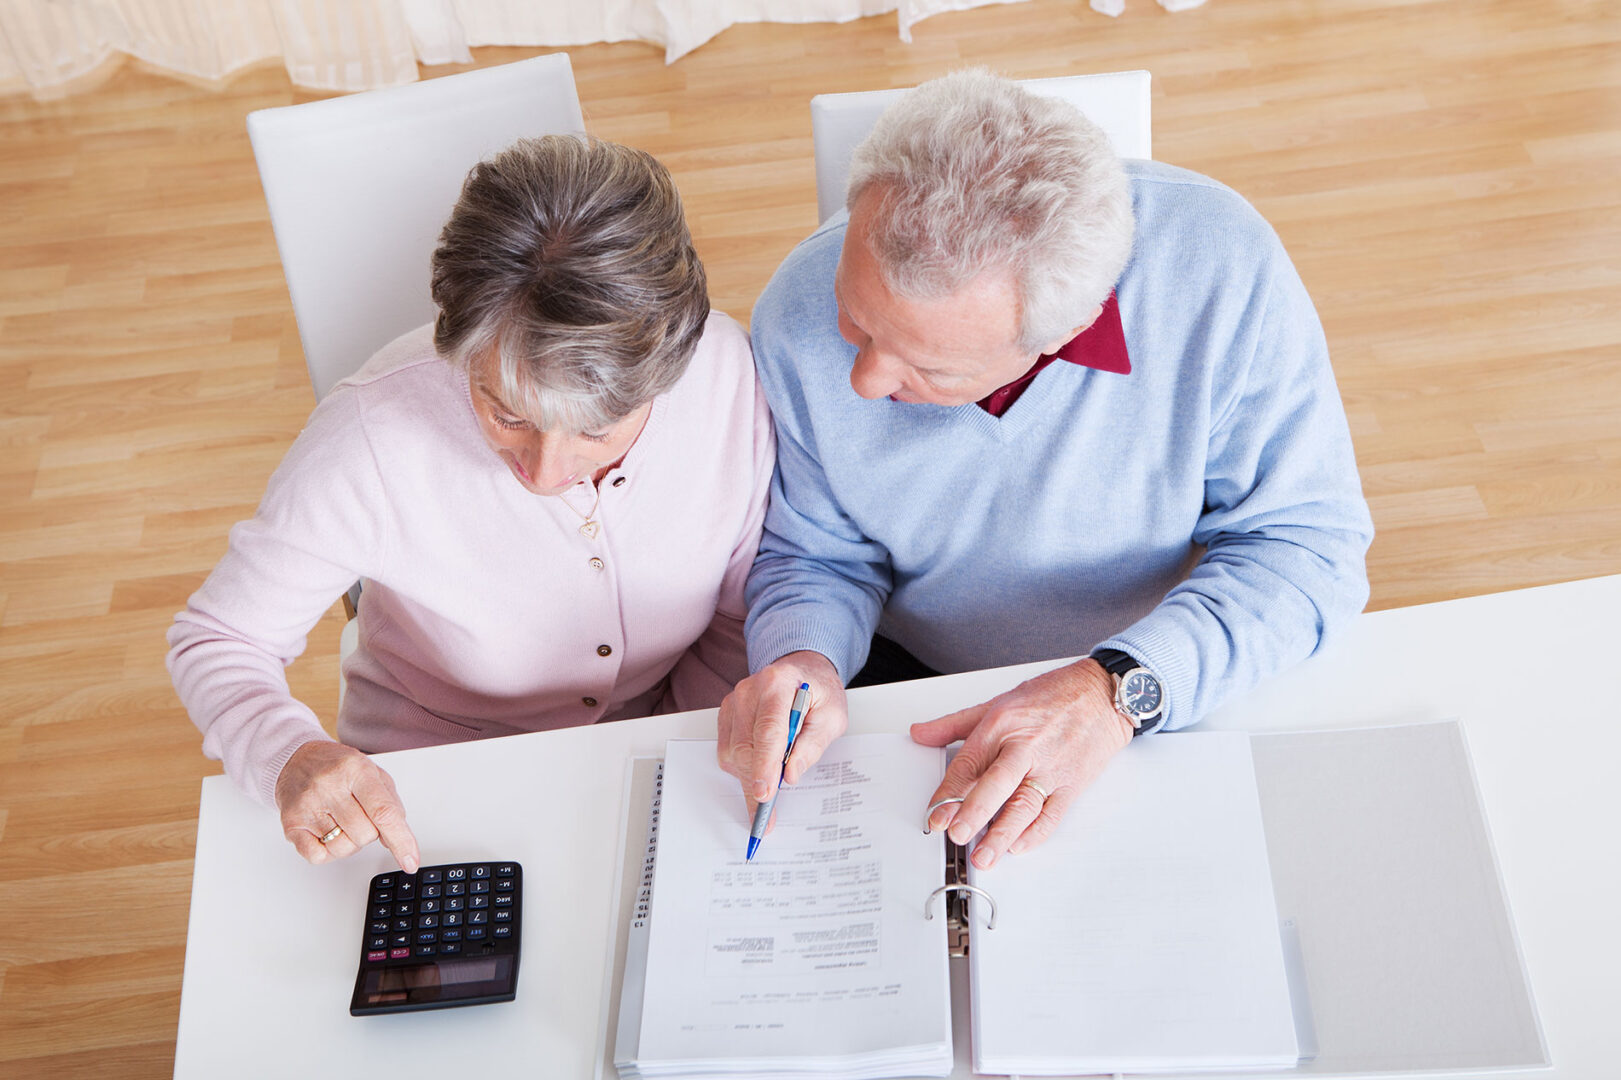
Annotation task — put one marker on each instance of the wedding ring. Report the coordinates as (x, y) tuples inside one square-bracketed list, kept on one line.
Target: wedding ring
[(1037, 788), (332, 834)]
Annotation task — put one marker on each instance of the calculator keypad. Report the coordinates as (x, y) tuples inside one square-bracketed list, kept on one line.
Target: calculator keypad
[(457, 909)]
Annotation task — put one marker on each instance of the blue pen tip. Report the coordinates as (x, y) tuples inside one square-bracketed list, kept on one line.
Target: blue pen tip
[(754, 845)]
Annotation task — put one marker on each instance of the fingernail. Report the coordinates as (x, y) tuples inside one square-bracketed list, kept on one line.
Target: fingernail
[(1017, 847), (960, 834), (762, 791), (984, 857)]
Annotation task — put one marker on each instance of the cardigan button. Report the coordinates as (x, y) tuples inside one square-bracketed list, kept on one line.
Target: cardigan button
[(597, 564), (589, 702), (619, 481), (605, 650)]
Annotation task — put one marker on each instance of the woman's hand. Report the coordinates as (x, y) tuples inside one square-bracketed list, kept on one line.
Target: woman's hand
[(327, 789)]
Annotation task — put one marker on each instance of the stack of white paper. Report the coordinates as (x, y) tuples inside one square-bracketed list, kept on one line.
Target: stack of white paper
[(814, 959)]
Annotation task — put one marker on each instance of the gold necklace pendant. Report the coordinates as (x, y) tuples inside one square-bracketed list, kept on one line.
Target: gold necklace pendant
[(591, 527)]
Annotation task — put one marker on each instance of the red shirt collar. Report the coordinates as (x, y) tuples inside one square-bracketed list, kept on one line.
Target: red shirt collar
[(1101, 345)]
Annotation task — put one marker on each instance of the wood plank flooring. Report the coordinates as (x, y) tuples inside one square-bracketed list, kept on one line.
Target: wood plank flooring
[(1446, 175)]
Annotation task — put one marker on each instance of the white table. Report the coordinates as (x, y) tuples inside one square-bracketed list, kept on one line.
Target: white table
[(1535, 676)]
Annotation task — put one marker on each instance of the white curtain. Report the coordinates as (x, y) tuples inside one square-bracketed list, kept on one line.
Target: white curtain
[(361, 44)]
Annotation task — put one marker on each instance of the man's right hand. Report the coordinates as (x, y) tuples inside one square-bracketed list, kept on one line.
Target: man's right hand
[(326, 785), (753, 728)]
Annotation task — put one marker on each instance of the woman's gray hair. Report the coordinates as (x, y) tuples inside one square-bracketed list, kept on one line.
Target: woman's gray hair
[(568, 258), (975, 172)]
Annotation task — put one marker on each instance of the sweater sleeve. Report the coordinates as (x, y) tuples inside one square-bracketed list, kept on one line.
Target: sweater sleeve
[(718, 660), (819, 582), (318, 528), (1284, 530)]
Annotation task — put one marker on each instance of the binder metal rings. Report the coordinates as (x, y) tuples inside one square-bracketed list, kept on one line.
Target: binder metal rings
[(929, 813), (928, 905)]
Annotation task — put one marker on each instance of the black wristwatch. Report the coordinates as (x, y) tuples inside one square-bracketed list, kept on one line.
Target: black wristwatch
[(1138, 695)]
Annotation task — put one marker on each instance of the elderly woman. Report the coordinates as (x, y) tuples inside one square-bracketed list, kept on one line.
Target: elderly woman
[(552, 496)]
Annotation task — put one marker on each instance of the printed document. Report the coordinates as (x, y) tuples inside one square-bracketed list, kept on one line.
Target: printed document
[(815, 956)]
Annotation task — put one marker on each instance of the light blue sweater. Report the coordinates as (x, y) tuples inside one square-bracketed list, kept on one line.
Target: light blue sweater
[(1202, 513)]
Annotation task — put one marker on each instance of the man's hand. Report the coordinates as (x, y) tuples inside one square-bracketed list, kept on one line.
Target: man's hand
[(1057, 731), (326, 784), (753, 728)]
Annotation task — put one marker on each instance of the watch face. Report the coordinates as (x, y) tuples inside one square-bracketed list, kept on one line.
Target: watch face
[(1140, 694)]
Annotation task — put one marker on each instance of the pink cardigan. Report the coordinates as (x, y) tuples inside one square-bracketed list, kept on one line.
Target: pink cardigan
[(485, 611)]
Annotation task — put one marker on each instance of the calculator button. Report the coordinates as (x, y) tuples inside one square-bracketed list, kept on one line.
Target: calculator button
[(455, 903), (404, 909), (476, 933), (384, 896), (481, 886), (452, 918), (378, 942), (503, 916), (429, 907), (480, 902), (425, 950), (503, 899), (432, 877), (503, 931), (431, 892), (379, 926), (383, 881), (377, 954), (451, 935), (476, 918), (505, 870), (504, 886), (452, 947), (481, 872), (400, 939), (427, 937), (407, 887), (456, 873), (402, 924), (382, 911), (456, 888), (398, 954), (428, 922)]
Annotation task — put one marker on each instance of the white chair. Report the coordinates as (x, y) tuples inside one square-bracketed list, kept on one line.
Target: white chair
[(358, 189), (360, 186), (1117, 102)]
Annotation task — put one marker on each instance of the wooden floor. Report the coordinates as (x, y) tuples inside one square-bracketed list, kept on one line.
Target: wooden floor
[(1447, 176)]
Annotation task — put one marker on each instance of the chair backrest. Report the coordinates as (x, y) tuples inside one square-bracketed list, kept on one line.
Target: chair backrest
[(1117, 102), (360, 186)]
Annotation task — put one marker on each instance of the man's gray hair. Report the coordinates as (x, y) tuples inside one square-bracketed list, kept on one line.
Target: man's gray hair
[(568, 258), (974, 172)]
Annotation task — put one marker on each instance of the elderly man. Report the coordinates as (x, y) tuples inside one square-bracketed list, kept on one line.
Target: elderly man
[(1032, 402)]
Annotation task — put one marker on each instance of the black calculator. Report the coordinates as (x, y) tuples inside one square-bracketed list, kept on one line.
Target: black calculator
[(445, 935)]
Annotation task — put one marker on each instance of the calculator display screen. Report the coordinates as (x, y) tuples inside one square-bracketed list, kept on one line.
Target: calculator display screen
[(438, 978)]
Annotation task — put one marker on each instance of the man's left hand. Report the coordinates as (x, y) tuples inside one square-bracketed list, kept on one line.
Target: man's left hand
[(1056, 731)]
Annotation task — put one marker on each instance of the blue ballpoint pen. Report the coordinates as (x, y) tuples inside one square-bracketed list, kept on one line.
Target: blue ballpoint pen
[(762, 813)]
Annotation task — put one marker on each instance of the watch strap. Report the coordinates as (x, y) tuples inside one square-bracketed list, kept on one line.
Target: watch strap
[(1114, 661)]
